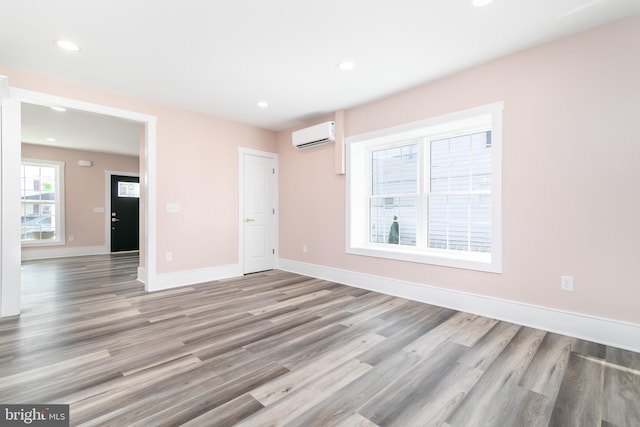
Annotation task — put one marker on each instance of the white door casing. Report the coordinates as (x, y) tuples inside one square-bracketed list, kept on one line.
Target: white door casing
[(258, 224), (9, 201), (10, 234)]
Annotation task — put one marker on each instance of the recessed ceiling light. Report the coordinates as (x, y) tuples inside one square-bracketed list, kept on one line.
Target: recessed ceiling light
[(346, 66), (480, 3), (67, 45), (51, 139), (262, 104), (56, 108)]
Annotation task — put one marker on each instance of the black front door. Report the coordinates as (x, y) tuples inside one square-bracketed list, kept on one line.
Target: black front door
[(125, 208)]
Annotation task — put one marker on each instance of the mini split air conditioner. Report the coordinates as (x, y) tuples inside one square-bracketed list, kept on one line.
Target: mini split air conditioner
[(314, 135)]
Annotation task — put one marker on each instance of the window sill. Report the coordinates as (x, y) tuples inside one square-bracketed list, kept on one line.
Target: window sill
[(41, 243), (478, 262)]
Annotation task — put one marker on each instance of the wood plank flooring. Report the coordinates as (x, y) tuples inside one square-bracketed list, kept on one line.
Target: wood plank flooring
[(280, 349)]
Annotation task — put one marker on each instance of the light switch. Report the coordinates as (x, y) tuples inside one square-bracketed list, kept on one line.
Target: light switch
[(173, 207)]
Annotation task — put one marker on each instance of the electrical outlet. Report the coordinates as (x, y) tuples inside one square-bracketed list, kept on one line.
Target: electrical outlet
[(566, 283), (71, 237), (168, 256), (305, 248)]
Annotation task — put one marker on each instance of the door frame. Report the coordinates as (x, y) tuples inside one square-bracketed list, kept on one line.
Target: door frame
[(10, 199), (10, 245), (107, 205), (242, 152)]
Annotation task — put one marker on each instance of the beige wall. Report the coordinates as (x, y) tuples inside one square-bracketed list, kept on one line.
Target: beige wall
[(570, 173), (84, 189)]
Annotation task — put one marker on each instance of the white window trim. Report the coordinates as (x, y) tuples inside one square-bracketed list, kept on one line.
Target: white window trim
[(357, 235), (60, 205)]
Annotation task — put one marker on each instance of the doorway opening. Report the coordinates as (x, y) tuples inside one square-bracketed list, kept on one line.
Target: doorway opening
[(10, 235)]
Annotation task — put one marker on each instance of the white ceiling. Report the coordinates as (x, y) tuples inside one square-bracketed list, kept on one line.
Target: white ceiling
[(80, 130), (221, 57)]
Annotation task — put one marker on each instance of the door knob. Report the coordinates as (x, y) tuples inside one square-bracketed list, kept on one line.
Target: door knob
[(249, 220)]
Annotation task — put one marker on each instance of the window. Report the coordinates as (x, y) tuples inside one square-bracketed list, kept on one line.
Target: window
[(429, 191), (41, 196), (129, 189)]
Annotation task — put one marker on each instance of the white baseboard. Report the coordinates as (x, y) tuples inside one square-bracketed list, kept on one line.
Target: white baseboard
[(142, 275), (184, 278), (604, 331), (29, 254)]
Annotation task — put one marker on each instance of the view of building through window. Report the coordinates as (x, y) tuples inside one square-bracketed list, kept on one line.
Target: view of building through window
[(459, 197), (457, 193), (39, 199), (394, 187)]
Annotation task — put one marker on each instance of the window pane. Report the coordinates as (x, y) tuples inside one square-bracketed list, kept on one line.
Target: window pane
[(128, 189), (38, 221), (459, 177), (461, 164), (458, 217), (481, 144), (39, 196), (458, 208), (481, 176), (48, 186), (460, 148), (481, 209), (394, 170), (461, 223), (440, 153), (437, 209), (31, 171), (481, 155), (458, 237), (38, 182), (386, 210), (437, 235), (439, 179), (480, 238)]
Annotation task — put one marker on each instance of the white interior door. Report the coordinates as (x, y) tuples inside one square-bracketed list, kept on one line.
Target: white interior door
[(258, 212)]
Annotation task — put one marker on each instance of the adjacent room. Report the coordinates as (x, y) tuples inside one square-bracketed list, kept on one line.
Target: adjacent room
[(332, 214)]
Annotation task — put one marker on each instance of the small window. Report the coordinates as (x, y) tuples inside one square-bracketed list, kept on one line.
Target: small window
[(41, 197), (429, 191), (129, 189)]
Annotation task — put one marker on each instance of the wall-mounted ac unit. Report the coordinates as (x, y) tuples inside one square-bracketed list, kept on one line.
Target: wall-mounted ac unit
[(314, 135)]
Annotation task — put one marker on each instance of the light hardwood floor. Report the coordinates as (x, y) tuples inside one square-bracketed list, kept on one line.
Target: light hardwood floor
[(280, 349)]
